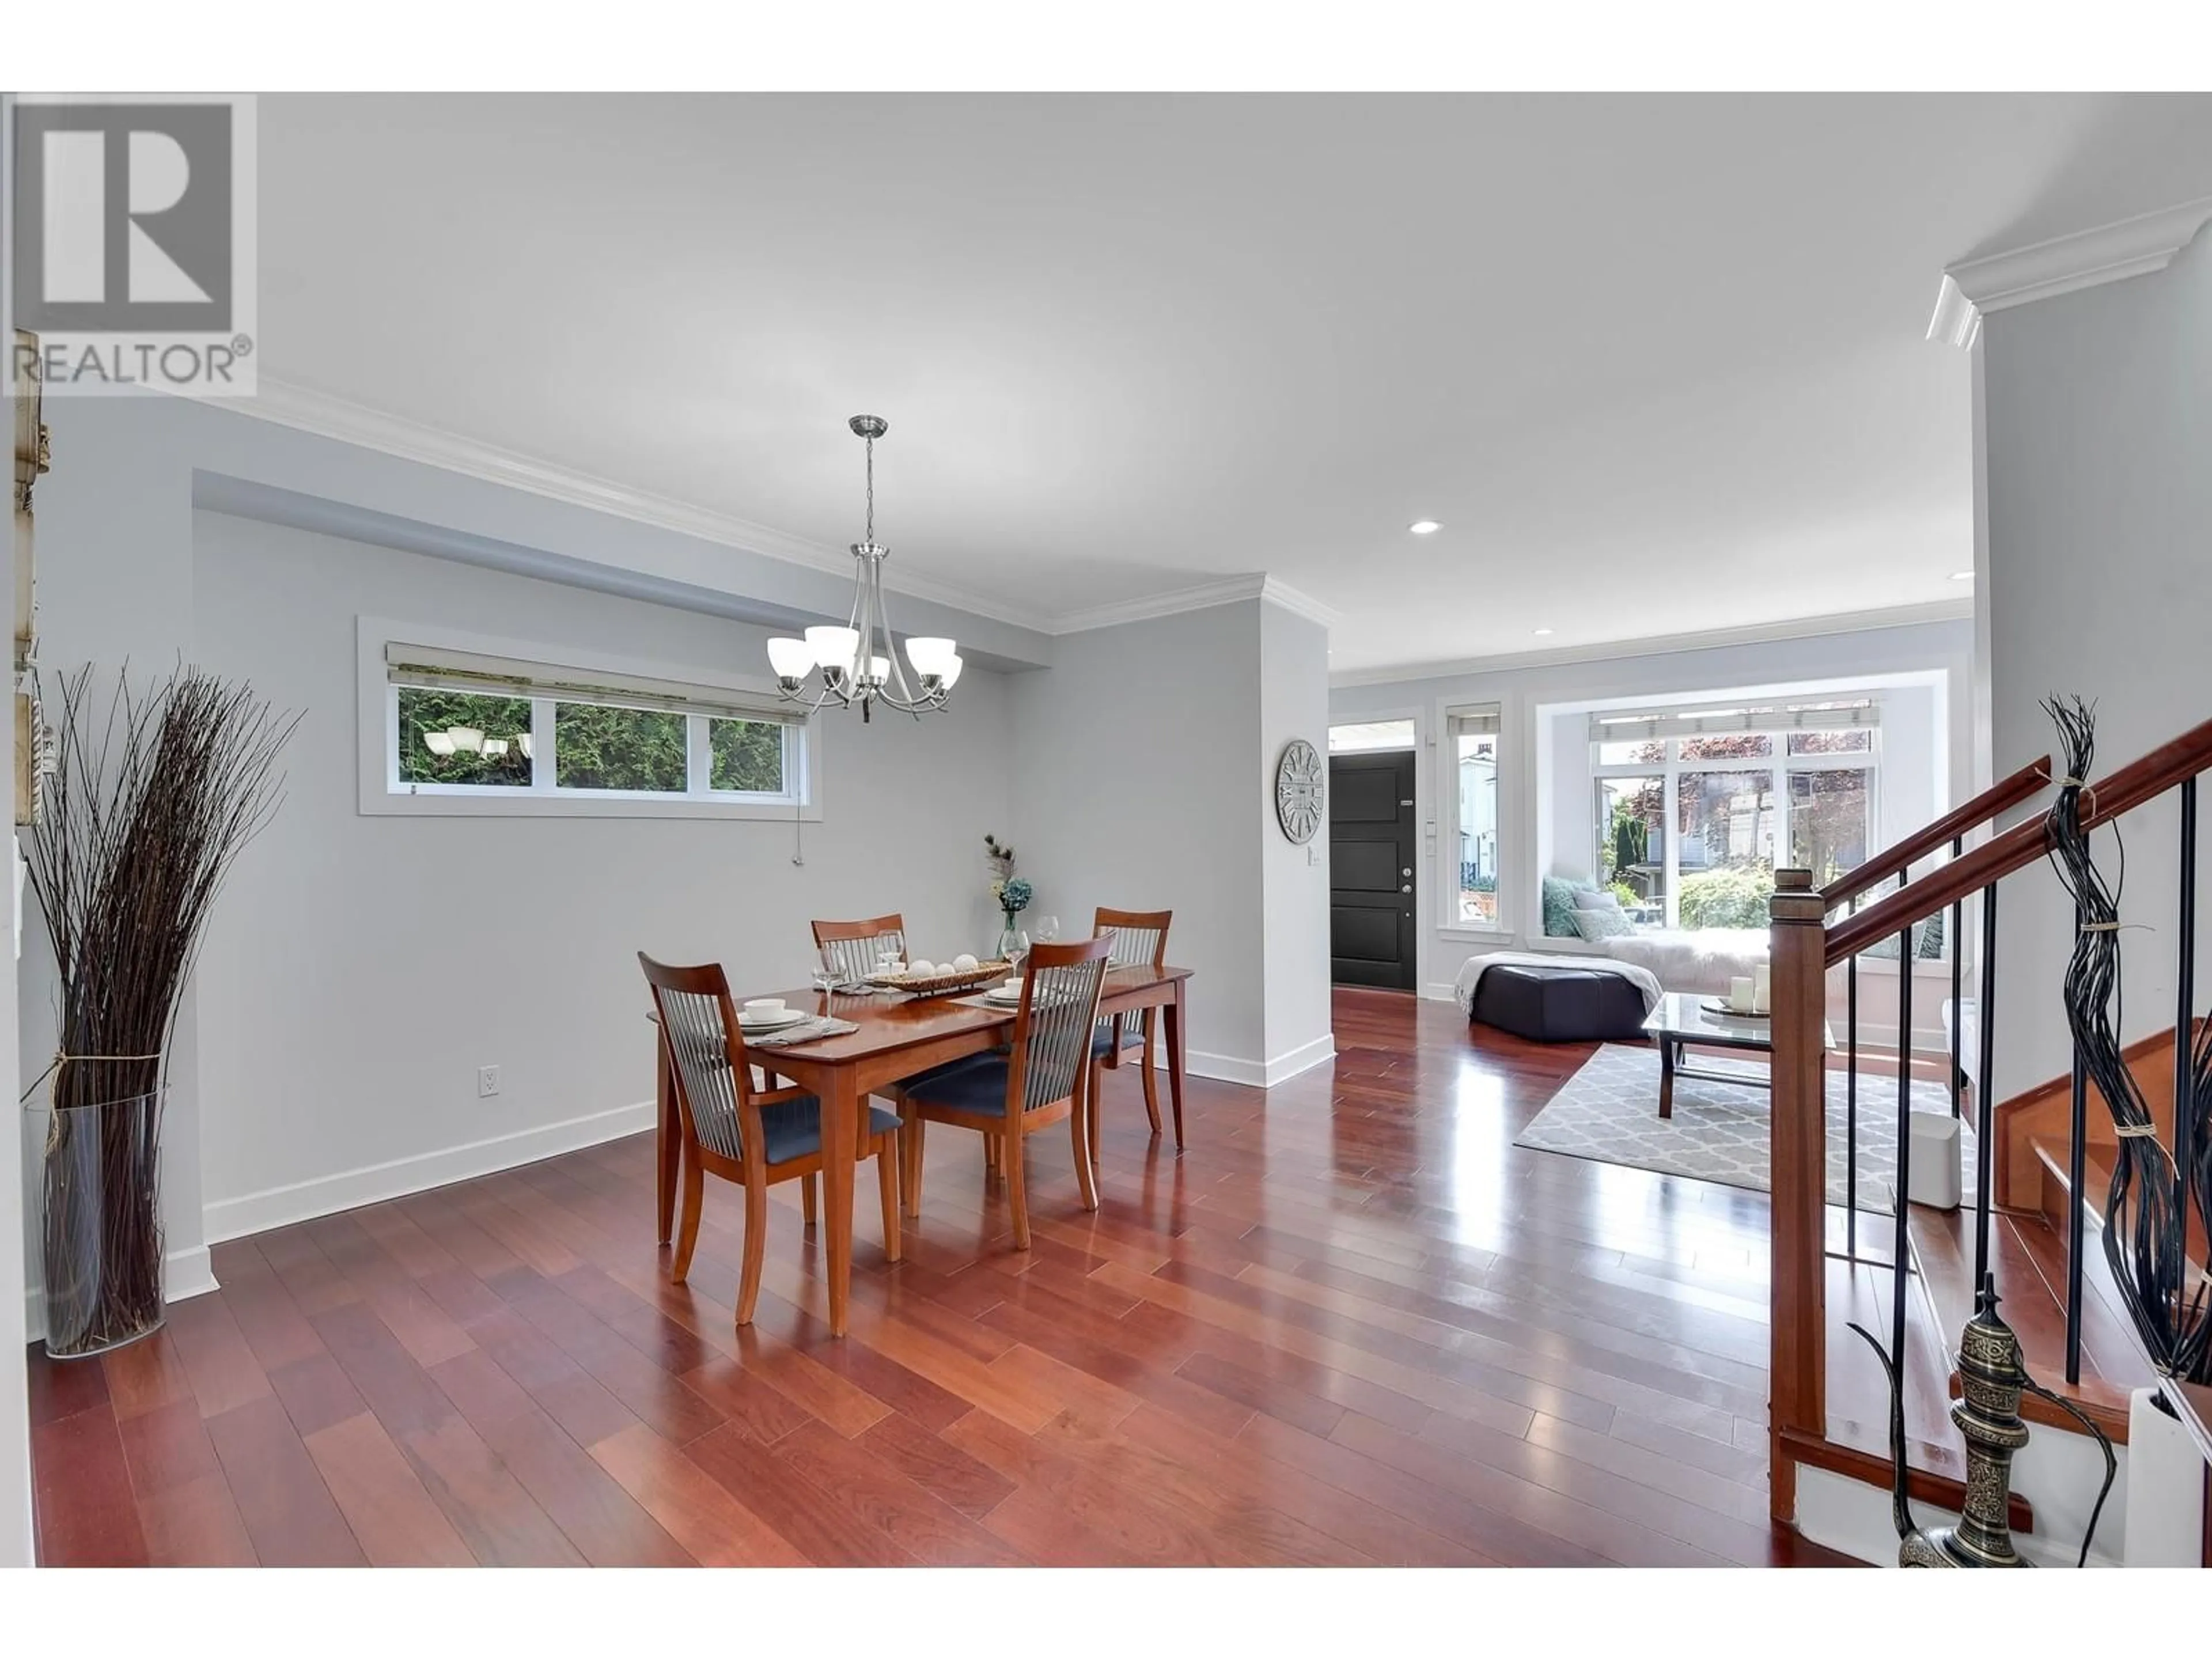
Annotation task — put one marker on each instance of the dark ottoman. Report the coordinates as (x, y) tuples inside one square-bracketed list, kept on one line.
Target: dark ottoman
[(1560, 1005)]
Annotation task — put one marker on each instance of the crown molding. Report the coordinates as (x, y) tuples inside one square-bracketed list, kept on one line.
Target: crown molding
[(2064, 264), (1228, 591), (325, 416), (1299, 603), (1802, 628)]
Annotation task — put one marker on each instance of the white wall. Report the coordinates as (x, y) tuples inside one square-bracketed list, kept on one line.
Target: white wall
[(1533, 826), (2098, 420), (361, 969), (1143, 778), (1132, 787), (1293, 703)]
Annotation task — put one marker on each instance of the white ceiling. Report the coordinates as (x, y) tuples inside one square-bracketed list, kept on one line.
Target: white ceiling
[(1656, 363)]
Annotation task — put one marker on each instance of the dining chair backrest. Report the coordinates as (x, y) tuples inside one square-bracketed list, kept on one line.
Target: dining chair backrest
[(856, 944), (1061, 984), (1139, 937), (706, 1051)]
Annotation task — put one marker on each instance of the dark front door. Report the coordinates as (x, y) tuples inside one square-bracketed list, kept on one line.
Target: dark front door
[(1370, 858)]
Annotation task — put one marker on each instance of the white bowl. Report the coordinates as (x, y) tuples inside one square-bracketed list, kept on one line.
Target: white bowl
[(764, 1008), (1010, 987)]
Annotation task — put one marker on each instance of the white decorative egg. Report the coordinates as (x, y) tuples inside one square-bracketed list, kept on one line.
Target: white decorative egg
[(922, 970), (963, 963)]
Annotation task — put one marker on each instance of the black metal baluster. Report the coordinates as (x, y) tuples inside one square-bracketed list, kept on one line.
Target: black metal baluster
[(1958, 991), (2185, 1085), (1904, 1241), (1986, 1090), (1852, 1102), (2079, 1129)]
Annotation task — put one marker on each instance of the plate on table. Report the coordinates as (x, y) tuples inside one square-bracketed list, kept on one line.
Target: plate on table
[(1002, 999), (774, 1023), (1717, 1005)]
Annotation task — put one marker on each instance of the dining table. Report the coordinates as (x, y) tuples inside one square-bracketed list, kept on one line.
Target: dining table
[(895, 1037)]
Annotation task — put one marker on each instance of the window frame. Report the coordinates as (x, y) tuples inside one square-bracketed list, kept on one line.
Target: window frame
[(384, 792), (1780, 763), (1450, 923)]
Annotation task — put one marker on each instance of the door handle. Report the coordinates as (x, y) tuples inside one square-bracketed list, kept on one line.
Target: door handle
[(1407, 873), (1407, 888)]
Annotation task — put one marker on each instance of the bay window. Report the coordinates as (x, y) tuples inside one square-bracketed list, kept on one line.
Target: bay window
[(1694, 808)]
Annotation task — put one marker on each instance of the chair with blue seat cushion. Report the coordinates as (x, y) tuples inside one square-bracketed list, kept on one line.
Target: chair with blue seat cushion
[(1044, 1076), (1138, 938), (753, 1136)]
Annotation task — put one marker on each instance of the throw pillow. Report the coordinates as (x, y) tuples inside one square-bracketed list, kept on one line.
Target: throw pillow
[(1595, 925), (1593, 898), (1559, 908)]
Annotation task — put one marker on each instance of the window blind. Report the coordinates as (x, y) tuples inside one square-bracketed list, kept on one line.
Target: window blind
[(1472, 722), (1630, 726), (439, 669)]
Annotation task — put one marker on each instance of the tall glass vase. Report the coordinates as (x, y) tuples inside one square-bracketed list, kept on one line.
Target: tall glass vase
[(103, 1225)]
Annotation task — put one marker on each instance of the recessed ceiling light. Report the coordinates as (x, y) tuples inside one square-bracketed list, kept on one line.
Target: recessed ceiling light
[(1425, 526), (1962, 575), (1541, 632)]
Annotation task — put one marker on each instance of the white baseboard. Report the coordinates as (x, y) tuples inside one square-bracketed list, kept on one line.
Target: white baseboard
[(1252, 1073), (185, 1273), (2058, 1471), (1439, 991), (1319, 1052), (303, 1201)]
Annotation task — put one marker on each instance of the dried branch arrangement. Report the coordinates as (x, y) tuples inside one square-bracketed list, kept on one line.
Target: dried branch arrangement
[(149, 804), (2146, 1221)]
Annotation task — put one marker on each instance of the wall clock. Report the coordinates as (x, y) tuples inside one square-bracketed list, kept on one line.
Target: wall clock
[(1298, 790)]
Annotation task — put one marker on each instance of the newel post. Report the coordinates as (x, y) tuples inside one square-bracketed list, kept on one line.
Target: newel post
[(1799, 1155)]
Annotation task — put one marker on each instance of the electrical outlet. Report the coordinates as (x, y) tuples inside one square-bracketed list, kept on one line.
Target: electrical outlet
[(487, 1081)]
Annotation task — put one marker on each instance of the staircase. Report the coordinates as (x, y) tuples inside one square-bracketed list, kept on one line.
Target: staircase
[(2044, 1169)]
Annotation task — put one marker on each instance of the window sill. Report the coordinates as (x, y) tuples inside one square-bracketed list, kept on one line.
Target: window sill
[(531, 804), (1460, 931)]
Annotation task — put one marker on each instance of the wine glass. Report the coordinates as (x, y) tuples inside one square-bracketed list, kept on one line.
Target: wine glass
[(1046, 930), (828, 975)]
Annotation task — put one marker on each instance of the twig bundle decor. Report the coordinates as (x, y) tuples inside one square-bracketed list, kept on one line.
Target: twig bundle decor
[(2145, 1218), (147, 807)]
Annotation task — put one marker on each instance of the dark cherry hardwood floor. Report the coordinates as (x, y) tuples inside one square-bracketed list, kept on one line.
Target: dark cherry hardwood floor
[(1352, 1323)]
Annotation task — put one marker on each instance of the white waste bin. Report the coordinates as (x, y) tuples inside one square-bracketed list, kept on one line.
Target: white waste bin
[(1937, 1178)]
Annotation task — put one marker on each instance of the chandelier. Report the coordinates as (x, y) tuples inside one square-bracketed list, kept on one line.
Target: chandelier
[(858, 663)]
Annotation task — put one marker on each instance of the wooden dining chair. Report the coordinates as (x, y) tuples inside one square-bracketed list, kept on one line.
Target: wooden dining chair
[(1136, 938), (754, 1138), (854, 945), (1045, 1076)]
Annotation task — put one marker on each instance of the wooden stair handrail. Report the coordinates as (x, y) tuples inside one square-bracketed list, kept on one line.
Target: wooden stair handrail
[(2000, 797), (2107, 797)]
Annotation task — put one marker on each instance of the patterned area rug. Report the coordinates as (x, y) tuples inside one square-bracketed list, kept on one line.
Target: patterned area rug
[(1609, 1112)]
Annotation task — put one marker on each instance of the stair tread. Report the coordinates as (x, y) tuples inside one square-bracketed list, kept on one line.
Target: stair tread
[(2027, 1258)]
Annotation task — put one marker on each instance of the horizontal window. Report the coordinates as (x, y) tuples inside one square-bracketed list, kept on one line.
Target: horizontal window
[(466, 725)]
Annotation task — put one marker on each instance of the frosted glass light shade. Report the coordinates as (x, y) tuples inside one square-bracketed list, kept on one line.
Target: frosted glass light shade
[(929, 656), (792, 659), (834, 647), (495, 748), (952, 673), (468, 739), (437, 743), (879, 669)]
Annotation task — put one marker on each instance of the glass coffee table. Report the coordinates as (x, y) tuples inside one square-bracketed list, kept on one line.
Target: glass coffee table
[(1682, 1018)]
